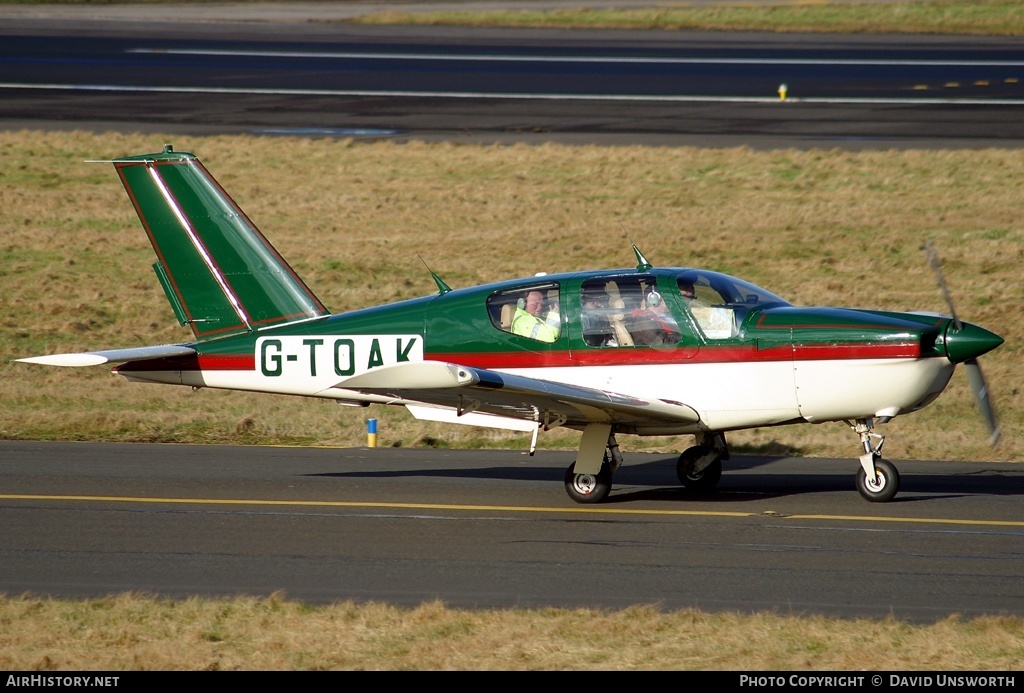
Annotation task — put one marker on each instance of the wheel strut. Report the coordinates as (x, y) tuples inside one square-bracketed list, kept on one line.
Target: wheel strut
[(612, 456), (872, 452)]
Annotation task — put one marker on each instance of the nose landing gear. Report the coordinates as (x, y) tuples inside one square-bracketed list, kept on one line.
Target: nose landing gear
[(877, 479)]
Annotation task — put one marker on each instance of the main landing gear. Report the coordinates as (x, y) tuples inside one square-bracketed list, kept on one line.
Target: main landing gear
[(877, 479), (594, 487), (699, 468)]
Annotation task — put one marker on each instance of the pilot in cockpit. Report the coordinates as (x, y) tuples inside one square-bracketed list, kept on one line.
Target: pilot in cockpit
[(597, 331), (530, 319)]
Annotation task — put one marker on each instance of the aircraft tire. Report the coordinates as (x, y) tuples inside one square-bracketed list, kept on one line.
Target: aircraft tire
[(588, 488), (884, 486), (706, 479)]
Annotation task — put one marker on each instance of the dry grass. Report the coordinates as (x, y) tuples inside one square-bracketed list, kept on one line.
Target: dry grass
[(135, 633), (818, 227), (982, 17)]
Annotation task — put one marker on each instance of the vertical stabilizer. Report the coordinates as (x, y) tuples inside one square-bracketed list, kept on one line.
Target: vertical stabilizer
[(220, 274)]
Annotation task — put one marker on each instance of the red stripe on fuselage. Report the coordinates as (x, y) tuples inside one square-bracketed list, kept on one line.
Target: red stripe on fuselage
[(623, 356), (840, 352), (202, 362), (631, 356)]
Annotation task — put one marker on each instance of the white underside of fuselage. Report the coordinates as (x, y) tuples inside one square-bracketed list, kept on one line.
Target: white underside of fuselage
[(731, 396), (728, 396)]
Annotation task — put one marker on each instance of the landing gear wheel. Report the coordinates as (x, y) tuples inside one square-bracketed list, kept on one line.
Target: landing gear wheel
[(588, 488), (883, 487), (704, 480)]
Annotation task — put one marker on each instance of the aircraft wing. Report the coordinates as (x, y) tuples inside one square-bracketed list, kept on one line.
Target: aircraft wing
[(479, 390), (98, 358)]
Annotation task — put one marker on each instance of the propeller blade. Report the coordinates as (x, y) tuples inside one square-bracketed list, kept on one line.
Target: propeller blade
[(980, 389), (974, 375), (936, 265)]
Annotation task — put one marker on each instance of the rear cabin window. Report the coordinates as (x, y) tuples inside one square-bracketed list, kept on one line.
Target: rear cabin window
[(532, 311)]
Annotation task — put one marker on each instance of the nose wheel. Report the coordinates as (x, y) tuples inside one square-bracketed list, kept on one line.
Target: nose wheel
[(877, 479), (882, 487)]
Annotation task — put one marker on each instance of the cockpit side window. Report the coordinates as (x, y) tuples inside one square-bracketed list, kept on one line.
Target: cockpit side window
[(531, 311), (719, 303)]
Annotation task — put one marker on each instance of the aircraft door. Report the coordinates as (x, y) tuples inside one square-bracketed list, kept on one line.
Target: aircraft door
[(620, 319)]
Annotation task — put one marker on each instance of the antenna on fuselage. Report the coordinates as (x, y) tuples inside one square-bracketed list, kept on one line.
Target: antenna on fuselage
[(442, 288), (642, 263)]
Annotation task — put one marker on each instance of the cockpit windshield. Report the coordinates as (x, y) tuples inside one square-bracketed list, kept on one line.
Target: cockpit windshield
[(719, 303)]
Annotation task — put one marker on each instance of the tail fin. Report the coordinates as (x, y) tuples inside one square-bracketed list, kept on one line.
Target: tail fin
[(219, 272)]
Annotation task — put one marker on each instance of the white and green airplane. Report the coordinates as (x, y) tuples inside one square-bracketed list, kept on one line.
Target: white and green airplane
[(640, 350)]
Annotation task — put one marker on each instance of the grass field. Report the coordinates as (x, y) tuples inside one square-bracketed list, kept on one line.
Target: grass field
[(978, 17), (130, 632)]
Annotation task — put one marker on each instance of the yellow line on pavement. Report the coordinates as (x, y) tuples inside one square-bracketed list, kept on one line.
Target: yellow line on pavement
[(369, 504), (584, 510), (917, 520)]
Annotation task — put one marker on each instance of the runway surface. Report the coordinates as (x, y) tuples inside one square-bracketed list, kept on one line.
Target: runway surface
[(156, 73), (495, 529)]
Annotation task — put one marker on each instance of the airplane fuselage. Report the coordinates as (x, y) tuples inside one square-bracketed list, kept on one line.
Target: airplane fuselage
[(782, 365)]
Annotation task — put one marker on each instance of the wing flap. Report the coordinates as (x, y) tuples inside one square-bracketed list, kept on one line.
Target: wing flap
[(447, 415), (467, 389), (98, 358)]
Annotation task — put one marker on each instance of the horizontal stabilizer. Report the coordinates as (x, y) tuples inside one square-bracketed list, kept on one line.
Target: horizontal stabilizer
[(467, 390), (98, 358)]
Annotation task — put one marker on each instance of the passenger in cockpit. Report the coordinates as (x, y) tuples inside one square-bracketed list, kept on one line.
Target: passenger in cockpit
[(654, 325)]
